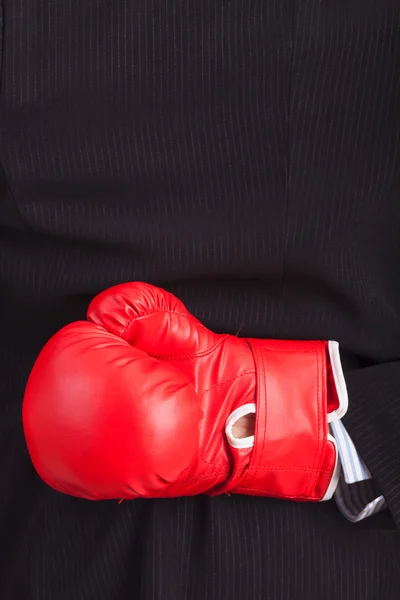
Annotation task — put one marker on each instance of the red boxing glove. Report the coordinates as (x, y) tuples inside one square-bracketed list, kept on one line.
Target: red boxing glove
[(141, 400)]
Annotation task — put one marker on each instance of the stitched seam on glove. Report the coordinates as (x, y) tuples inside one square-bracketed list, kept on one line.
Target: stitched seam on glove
[(162, 311), (318, 458), (290, 469), (193, 355), (259, 362), (270, 494), (232, 380), (188, 317), (218, 470)]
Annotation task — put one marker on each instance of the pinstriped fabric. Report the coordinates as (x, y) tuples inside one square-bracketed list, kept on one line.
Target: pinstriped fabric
[(245, 155)]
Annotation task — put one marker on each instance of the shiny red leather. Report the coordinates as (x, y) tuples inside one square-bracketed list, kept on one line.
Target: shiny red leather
[(134, 403)]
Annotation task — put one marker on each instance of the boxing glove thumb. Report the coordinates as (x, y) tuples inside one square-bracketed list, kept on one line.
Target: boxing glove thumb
[(151, 319)]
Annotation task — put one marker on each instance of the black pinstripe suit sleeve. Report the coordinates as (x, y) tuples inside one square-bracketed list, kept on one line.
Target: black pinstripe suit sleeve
[(374, 422)]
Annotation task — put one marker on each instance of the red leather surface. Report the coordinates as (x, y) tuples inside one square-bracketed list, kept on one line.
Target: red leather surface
[(134, 402), (291, 452)]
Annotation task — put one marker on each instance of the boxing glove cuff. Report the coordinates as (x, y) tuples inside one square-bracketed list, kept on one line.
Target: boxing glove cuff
[(300, 389)]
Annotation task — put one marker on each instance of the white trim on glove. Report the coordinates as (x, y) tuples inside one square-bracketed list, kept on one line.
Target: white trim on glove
[(242, 411)]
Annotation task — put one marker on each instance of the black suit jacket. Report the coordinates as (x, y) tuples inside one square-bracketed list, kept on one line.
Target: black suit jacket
[(244, 155)]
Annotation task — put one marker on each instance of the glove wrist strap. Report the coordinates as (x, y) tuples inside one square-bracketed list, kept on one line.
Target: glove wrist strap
[(291, 427)]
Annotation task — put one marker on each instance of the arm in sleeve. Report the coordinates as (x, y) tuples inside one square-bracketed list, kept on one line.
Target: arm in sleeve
[(373, 423)]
